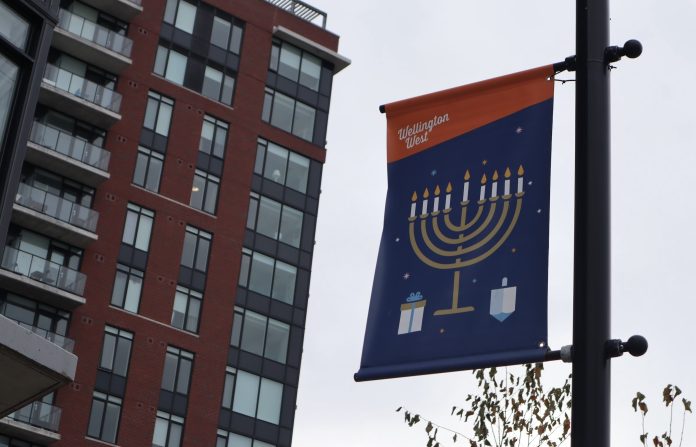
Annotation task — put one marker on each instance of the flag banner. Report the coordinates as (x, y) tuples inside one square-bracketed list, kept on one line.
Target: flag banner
[(462, 271)]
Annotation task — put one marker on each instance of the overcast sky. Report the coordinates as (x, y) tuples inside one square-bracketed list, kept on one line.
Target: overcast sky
[(403, 48)]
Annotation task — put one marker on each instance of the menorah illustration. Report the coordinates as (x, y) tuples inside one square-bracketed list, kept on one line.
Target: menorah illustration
[(470, 241)]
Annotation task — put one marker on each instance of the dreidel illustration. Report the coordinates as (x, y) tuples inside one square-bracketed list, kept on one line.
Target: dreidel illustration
[(503, 301)]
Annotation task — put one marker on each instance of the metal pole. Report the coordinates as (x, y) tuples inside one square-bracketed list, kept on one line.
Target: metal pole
[(591, 289)]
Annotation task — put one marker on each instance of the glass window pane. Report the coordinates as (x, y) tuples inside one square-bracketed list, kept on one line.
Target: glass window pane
[(236, 41), (184, 376), (283, 107), (246, 393), (228, 391), (108, 349), (161, 60), (284, 282), (267, 103), (142, 240), (269, 218), (163, 119), (135, 285), (170, 11), (270, 397), (122, 357), (8, 80), (254, 334), (159, 438), (197, 192), (169, 373), (261, 274), (207, 134), (275, 52), (276, 163), (154, 173), (130, 227), (277, 340), (251, 215), (291, 226), (244, 270), (150, 113), (289, 65), (95, 418), (189, 250), (236, 440), (176, 67), (236, 329), (140, 169), (186, 17), (227, 90), (212, 83), (193, 313), (220, 141), (298, 172), (303, 122), (13, 27), (311, 71), (258, 163), (174, 435), (220, 35), (110, 423), (119, 292), (179, 311), (202, 255)]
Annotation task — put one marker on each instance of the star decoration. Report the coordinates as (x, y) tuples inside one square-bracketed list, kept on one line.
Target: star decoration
[(529, 182), (539, 211), (519, 130), (407, 275), (484, 162), (433, 172), (442, 331), (474, 280), (514, 250), (397, 239)]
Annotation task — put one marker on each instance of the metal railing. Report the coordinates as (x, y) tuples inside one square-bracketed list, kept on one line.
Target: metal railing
[(39, 414), (82, 88), (58, 207), (43, 270), (66, 144), (301, 10), (64, 342), (93, 32)]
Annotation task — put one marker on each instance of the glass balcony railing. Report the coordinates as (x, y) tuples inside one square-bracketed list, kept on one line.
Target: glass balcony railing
[(95, 33), (43, 270), (66, 144), (58, 207), (64, 342), (39, 414), (82, 88)]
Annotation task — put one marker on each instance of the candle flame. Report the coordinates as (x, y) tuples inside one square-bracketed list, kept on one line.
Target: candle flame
[(449, 187), (414, 197), (467, 176), (520, 170), (495, 175), (484, 179), (437, 190), (426, 193), (507, 172)]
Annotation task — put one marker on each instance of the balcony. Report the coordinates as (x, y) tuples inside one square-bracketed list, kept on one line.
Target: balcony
[(54, 216), (78, 97), (44, 280), (30, 367), (123, 9), (92, 43), (38, 423), (67, 155), (64, 342)]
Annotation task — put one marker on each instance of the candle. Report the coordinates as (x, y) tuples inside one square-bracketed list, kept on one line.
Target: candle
[(436, 200), (426, 194), (520, 180), (447, 197), (494, 186), (414, 198), (467, 176), (507, 181), (483, 188)]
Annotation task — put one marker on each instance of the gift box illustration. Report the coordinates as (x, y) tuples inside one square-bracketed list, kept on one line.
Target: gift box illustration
[(503, 301), (412, 314)]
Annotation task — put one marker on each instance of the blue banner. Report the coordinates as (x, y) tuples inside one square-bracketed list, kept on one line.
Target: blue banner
[(462, 272)]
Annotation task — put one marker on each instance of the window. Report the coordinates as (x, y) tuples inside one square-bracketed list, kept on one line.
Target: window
[(104, 417), (171, 64), (116, 349), (281, 165), (260, 335), (252, 395), (268, 276), (288, 114), (181, 14), (228, 439), (13, 27), (275, 220), (148, 169), (158, 113), (296, 64), (196, 249), (168, 430), (127, 287), (204, 191), (138, 227), (9, 73), (218, 85), (187, 309), (213, 137), (177, 370), (46, 320), (226, 35)]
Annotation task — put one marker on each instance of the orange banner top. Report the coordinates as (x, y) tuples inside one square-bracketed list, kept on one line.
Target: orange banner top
[(416, 124)]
